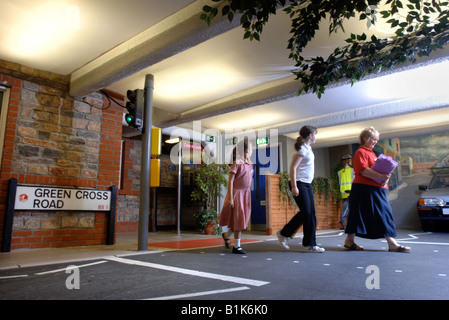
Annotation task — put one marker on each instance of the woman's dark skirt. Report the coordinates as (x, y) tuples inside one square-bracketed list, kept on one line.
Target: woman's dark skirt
[(370, 214)]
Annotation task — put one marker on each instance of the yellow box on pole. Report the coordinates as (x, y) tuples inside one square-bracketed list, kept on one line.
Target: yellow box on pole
[(156, 138), (155, 173)]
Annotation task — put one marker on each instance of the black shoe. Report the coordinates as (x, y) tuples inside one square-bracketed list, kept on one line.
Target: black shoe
[(226, 241), (238, 250)]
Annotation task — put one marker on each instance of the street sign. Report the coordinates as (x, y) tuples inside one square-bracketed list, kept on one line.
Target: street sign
[(44, 198)]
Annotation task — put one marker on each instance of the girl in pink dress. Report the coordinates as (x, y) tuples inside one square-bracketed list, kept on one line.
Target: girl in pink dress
[(237, 205)]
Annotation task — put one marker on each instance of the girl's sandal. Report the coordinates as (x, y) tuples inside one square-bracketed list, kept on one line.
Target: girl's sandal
[(226, 241), (353, 247)]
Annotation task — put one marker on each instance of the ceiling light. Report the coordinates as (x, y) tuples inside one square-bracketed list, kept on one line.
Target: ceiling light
[(43, 28), (245, 120), (338, 132), (204, 80), (172, 141)]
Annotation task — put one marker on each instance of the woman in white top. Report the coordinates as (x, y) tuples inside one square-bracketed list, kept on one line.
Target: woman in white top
[(301, 176)]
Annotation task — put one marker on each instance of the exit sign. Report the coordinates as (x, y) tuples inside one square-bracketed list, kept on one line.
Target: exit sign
[(231, 141), (262, 141), (210, 138)]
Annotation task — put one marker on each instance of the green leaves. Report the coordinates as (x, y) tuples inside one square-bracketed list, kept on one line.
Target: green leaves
[(254, 14), (209, 178), (420, 27)]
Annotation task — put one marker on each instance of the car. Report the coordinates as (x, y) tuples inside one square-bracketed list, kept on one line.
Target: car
[(433, 205)]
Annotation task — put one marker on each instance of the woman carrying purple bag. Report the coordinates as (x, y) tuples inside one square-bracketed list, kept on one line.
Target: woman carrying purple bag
[(370, 214)]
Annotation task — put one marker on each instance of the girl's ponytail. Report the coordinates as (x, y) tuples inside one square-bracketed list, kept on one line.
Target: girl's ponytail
[(303, 134)]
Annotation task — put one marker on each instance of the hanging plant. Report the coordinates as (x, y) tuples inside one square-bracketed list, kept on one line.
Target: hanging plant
[(328, 187), (420, 27), (284, 186)]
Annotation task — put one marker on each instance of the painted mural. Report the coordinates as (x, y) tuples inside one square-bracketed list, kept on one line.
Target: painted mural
[(418, 157), (425, 152)]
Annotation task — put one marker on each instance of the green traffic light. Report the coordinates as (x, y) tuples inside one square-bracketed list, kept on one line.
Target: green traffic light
[(129, 119), (134, 107)]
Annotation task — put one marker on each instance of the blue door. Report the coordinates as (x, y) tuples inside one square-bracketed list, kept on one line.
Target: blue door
[(265, 160)]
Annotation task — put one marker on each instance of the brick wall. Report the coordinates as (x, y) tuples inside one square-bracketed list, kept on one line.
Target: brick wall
[(128, 198), (54, 140), (279, 213)]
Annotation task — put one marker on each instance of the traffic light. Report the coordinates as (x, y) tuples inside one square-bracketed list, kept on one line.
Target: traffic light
[(135, 108)]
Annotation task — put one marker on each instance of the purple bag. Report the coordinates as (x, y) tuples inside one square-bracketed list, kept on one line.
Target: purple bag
[(384, 164)]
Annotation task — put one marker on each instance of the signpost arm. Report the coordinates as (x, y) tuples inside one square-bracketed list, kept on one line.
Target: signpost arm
[(9, 215), (144, 210)]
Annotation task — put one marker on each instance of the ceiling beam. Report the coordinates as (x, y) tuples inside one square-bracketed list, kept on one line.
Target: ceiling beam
[(265, 93), (288, 87), (379, 111), (177, 33)]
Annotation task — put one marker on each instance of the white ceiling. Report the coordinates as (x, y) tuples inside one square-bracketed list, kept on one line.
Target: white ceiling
[(226, 82)]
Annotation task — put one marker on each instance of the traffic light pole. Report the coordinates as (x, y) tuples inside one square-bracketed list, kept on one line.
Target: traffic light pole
[(144, 209)]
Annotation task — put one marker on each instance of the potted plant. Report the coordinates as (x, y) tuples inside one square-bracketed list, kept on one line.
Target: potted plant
[(208, 182), (207, 221)]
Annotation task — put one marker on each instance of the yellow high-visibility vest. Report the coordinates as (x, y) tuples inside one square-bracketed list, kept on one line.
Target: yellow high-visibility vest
[(345, 177)]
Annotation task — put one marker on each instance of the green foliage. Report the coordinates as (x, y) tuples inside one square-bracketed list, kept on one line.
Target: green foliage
[(209, 179), (421, 27), (205, 216), (255, 14), (320, 185), (286, 193), (327, 187)]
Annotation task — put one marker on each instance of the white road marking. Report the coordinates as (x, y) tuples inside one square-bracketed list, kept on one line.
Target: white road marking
[(198, 294), (413, 236), (329, 236), (251, 282), (13, 277), (423, 242), (64, 269)]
